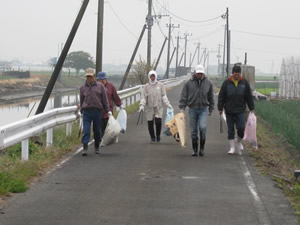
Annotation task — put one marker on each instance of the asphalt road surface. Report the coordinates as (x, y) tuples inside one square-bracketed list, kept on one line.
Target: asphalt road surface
[(138, 183)]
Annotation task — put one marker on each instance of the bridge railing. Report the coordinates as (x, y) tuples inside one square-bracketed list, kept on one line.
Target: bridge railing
[(21, 131)]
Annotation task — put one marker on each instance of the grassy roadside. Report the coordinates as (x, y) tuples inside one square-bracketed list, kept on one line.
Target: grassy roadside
[(16, 175), (277, 159)]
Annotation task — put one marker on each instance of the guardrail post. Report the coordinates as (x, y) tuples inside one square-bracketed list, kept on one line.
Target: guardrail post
[(49, 138), (128, 101), (69, 129), (1, 139), (25, 150)]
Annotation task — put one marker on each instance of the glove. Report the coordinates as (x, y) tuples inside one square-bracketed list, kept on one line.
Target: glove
[(121, 107), (170, 107), (141, 108), (109, 113)]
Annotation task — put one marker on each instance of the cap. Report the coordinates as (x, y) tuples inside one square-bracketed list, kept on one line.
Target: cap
[(101, 76), (89, 72), (199, 69)]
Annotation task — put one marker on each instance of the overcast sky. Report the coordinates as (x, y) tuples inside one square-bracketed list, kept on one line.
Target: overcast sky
[(33, 30)]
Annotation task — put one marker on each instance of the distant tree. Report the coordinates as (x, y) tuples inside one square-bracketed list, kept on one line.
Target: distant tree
[(139, 72), (52, 62), (79, 60)]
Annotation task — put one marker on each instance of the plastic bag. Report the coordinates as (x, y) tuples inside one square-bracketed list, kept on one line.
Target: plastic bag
[(111, 132), (169, 117), (250, 130), (177, 127), (122, 120)]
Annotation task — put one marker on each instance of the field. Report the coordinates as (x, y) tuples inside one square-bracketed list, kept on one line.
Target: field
[(283, 116)]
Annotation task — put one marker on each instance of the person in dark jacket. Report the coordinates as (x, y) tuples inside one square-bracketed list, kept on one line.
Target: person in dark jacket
[(112, 97), (197, 94), (93, 99), (235, 93)]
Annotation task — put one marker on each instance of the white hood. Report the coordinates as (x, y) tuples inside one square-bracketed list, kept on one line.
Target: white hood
[(150, 81)]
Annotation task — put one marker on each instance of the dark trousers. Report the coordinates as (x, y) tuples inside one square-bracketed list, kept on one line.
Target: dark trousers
[(157, 126), (89, 116), (103, 126), (237, 119)]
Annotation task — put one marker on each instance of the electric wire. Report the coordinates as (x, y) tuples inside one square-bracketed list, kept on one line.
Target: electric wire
[(266, 35), (114, 12), (186, 20)]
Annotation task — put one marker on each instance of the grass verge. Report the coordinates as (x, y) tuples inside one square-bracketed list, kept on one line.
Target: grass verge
[(16, 175), (277, 159)]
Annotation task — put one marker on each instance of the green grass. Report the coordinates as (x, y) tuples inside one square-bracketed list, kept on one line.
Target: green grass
[(284, 118), (15, 175)]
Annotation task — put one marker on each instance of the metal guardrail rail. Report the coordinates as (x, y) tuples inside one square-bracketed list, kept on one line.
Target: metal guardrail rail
[(21, 131)]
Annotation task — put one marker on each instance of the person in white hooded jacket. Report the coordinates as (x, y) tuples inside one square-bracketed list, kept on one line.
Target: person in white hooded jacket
[(153, 95)]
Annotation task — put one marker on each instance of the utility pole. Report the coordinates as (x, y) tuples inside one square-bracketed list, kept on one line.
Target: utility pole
[(219, 56), (162, 48), (177, 52), (99, 52), (132, 58), (61, 59), (246, 59), (149, 22), (228, 42), (185, 46), (170, 61), (197, 49), (198, 62), (169, 44), (224, 50)]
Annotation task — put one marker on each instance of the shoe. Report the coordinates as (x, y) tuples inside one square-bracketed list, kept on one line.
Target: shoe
[(97, 148), (152, 140), (195, 147), (239, 145), (85, 149), (158, 139), (232, 147), (202, 143)]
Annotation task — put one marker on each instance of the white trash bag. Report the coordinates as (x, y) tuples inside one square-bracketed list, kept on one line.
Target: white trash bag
[(122, 120), (111, 132), (250, 130)]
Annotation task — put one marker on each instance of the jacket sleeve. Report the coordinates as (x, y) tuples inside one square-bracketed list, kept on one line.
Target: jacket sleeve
[(164, 96), (105, 100), (249, 97), (81, 99), (115, 97), (143, 96), (211, 98), (183, 97), (222, 97)]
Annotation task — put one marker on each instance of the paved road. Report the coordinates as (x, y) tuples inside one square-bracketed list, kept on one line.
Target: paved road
[(135, 182)]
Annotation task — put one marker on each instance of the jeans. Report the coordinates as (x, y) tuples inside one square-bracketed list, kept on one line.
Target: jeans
[(198, 119), (89, 116), (239, 120)]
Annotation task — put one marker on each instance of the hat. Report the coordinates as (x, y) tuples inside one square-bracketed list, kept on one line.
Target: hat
[(236, 69), (89, 72), (199, 69), (101, 76)]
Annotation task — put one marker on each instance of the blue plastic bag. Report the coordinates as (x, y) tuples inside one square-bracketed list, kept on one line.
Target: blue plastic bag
[(169, 116)]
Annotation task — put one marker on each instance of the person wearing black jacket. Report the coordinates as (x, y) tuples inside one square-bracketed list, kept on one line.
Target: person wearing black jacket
[(235, 93)]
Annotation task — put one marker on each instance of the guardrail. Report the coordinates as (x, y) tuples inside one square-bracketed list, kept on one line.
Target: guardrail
[(21, 131)]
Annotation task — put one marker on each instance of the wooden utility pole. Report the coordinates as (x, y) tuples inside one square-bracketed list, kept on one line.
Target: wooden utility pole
[(169, 44), (149, 22), (185, 46), (99, 52)]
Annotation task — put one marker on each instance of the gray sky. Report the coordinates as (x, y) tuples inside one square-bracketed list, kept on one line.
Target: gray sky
[(32, 30)]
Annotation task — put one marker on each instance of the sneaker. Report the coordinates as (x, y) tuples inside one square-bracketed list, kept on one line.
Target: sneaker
[(152, 140), (158, 139)]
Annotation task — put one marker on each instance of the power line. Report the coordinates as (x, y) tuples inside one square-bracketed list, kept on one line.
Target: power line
[(121, 20), (266, 35), (190, 21)]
